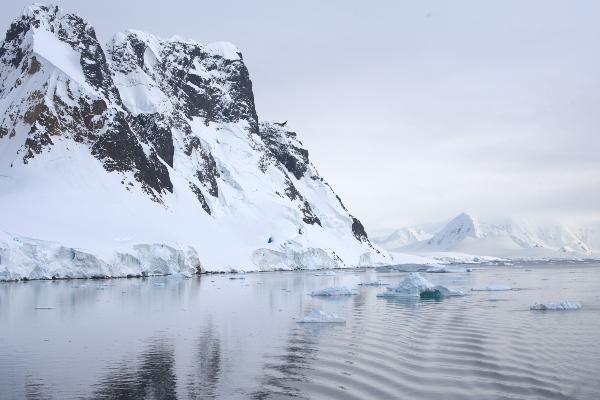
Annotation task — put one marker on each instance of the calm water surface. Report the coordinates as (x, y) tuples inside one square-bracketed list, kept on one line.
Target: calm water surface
[(216, 337)]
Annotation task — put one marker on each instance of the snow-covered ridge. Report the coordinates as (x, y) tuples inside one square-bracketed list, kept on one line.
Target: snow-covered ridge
[(151, 142), (402, 237), (469, 239)]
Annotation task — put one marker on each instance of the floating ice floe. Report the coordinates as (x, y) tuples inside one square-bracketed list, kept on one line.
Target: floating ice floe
[(237, 277), (562, 305), (414, 285), (373, 283), (447, 269), (334, 291), (325, 273), (495, 287), (318, 316)]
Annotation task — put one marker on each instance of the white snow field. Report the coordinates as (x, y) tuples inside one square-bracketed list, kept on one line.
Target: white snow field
[(414, 285), (320, 317), (556, 306)]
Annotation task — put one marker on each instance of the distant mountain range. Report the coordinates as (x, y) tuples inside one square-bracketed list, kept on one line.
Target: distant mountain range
[(513, 238)]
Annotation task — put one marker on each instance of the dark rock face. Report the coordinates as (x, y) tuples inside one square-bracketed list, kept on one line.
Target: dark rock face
[(120, 151), (286, 148), (201, 97), (207, 172), (293, 194), (200, 197), (155, 130), (359, 230), (204, 84)]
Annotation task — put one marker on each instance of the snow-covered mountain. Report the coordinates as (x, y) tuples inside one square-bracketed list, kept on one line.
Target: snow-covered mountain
[(402, 237), (510, 239), (147, 156)]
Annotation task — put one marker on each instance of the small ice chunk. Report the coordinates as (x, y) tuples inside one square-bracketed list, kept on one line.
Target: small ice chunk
[(494, 287), (237, 277), (414, 285), (373, 283), (561, 305), (318, 316), (158, 284), (325, 273), (334, 291), (446, 269)]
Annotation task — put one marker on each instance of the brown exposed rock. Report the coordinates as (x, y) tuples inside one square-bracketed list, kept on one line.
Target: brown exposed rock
[(34, 66)]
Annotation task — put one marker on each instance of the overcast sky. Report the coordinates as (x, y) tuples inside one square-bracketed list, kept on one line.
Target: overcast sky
[(414, 110)]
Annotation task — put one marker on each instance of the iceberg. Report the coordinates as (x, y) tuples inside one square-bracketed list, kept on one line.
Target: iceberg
[(414, 285), (373, 283), (318, 316), (439, 292), (562, 305), (334, 291), (495, 287)]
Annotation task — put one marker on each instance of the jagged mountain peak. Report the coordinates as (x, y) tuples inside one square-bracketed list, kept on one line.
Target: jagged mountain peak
[(63, 39), (208, 81), (460, 227)]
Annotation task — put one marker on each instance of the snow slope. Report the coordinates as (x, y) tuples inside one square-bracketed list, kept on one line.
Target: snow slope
[(401, 237), (149, 150)]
